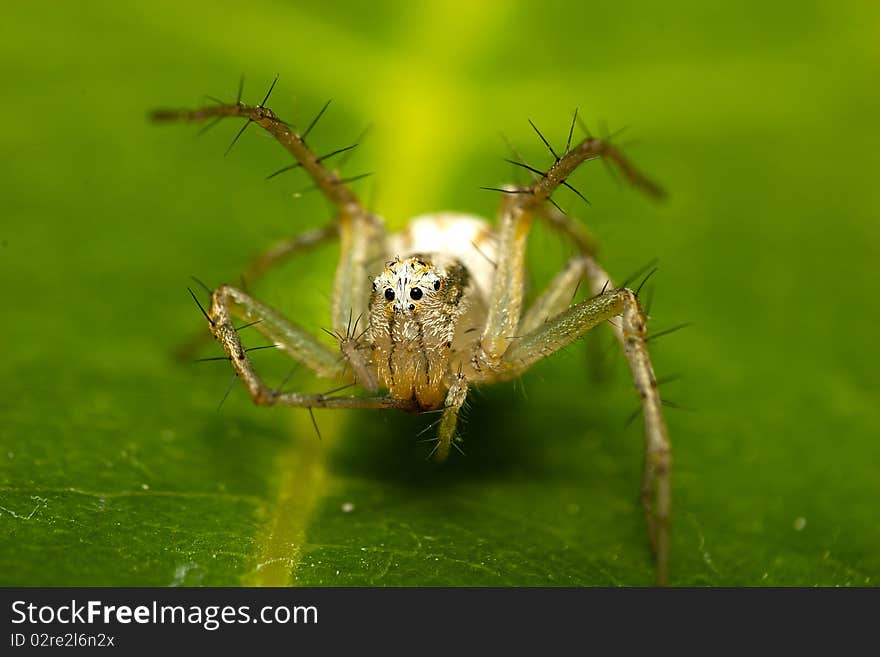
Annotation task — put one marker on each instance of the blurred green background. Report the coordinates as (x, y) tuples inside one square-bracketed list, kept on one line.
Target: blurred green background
[(759, 118)]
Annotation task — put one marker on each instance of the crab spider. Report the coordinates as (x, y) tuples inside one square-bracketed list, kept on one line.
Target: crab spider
[(445, 274)]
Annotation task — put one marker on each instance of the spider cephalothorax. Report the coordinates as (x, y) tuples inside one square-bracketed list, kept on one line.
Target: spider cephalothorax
[(449, 311), (414, 312)]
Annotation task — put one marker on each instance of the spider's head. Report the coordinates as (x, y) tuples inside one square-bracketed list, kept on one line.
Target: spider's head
[(407, 286)]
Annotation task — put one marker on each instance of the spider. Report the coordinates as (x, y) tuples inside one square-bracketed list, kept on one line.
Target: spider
[(443, 275)]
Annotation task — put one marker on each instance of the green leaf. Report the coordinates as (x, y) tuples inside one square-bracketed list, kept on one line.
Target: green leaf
[(116, 468)]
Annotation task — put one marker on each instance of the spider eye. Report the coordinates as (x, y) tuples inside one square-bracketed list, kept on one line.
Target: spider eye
[(389, 294), (415, 293), (436, 285)]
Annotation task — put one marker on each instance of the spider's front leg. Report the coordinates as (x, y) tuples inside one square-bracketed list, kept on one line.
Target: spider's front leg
[(228, 302), (261, 264), (656, 469), (509, 345), (569, 325), (518, 209), (656, 438), (361, 234), (455, 399), (557, 297)]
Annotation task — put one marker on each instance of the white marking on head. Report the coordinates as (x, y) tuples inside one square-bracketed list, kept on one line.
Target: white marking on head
[(405, 285)]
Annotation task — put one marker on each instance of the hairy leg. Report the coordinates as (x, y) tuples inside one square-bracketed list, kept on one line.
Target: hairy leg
[(286, 249), (228, 302), (566, 327), (632, 336), (570, 228), (360, 232), (573, 230), (517, 211), (504, 352), (556, 298), (455, 398), (261, 264), (655, 490), (585, 244)]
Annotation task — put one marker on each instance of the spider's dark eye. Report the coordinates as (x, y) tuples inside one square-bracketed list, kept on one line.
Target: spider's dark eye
[(389, 294), (436, 285), (416, 293)]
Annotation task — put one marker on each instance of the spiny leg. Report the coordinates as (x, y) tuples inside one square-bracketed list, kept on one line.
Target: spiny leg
[(556, 298), (361, 233), (573, 230), (281, 251), (329, 182), (517, 211), (557, 332), (569, 228), (656, 491), (357, 350), (507, 355), (261, 264), (228, 301), (455, 398), (632, 332)]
